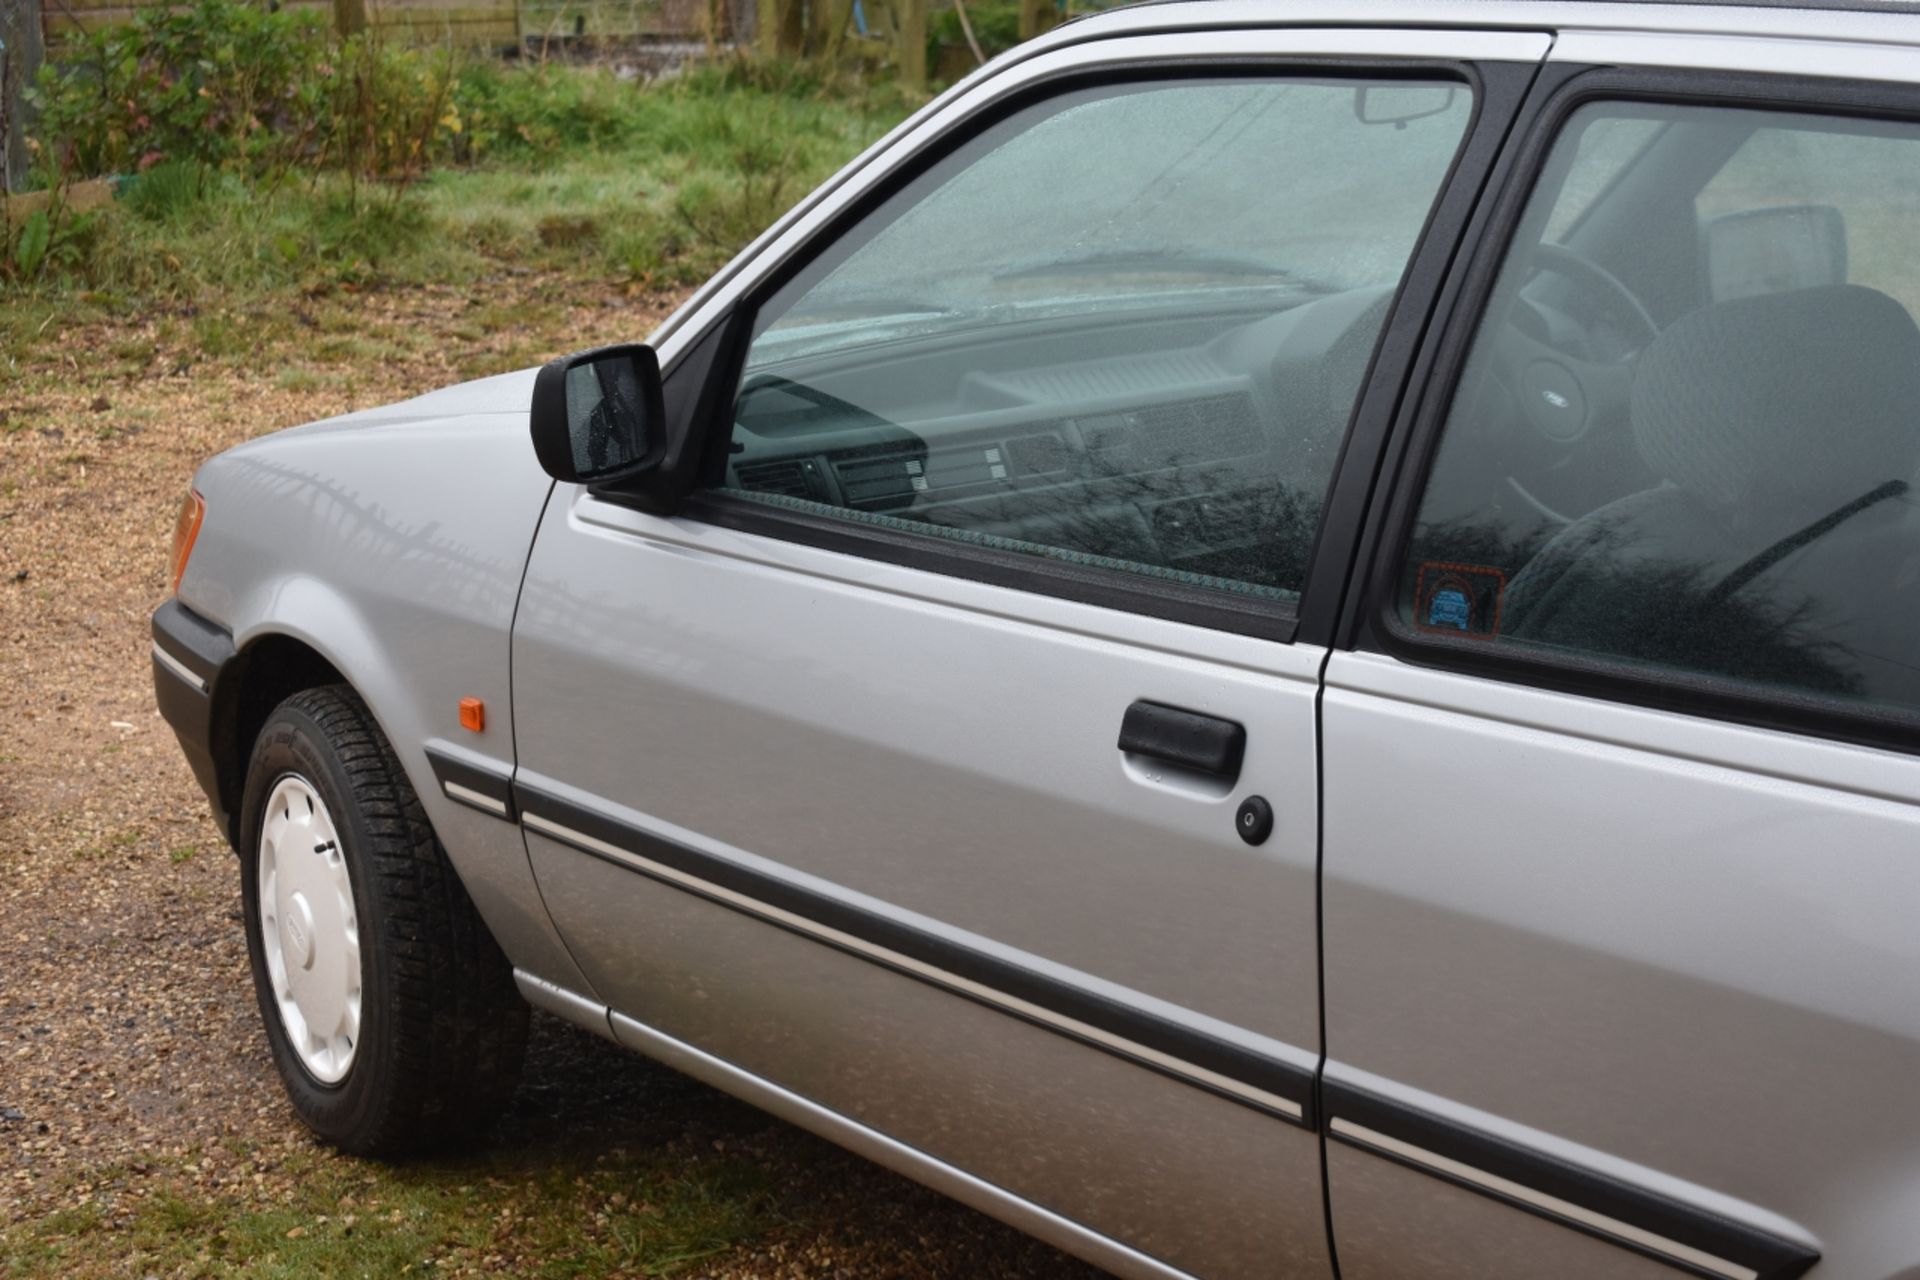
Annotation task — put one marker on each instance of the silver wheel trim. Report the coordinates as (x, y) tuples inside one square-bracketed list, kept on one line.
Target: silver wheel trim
[(309, 929)]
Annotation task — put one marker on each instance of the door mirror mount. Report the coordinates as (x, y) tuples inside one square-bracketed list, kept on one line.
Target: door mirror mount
[(598, 416)]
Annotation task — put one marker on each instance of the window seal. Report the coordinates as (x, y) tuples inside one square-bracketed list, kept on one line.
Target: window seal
[(1113, 588), (1370, 621), (1261, 618)]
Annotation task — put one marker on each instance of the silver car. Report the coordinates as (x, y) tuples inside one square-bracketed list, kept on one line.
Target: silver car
[(1277, 640)]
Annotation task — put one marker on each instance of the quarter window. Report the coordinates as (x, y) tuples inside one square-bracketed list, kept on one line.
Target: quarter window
[(1124, 328), (1687, 433)]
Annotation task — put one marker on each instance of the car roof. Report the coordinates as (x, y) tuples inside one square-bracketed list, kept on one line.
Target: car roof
[(1867, 21)]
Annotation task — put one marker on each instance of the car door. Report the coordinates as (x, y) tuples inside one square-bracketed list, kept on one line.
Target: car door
[(1622, 801), (948, 761)]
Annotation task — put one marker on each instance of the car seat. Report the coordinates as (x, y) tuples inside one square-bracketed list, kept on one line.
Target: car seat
[(1782, 544)]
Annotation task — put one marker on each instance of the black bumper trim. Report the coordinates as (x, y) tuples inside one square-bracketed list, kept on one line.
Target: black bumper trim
[(203, 647), (189, 656)]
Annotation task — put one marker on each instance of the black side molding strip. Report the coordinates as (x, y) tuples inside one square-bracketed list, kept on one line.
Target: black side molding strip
[(1267, 1084), (476, 786), (1607, 1208)]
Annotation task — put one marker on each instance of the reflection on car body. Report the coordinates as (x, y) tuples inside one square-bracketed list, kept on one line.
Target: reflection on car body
[(1278, 640)]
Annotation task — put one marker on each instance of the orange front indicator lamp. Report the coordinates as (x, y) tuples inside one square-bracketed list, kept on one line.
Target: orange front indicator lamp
[(185, 529), (473, 714)]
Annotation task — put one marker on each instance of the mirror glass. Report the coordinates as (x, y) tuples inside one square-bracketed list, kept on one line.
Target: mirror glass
[(606, 414), (1775, 250)]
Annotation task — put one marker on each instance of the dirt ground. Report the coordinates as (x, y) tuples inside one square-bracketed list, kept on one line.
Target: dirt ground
[(142, 1129)]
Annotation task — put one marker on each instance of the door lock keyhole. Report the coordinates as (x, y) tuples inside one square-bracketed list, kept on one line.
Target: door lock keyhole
[(1254, 821)]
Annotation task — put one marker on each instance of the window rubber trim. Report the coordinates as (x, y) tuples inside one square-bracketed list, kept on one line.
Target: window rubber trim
[(1495, 98), (1369, 621), (1220, 610), (1502, 93)]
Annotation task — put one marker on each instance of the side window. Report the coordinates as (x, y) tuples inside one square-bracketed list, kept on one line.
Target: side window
[(1721, 487), (1605, 149), (1123, 328)]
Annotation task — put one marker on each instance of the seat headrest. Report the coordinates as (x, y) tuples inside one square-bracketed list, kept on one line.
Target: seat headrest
[(1794, 402)]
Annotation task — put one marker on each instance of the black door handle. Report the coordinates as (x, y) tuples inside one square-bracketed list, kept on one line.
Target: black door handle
[(1204, 744)]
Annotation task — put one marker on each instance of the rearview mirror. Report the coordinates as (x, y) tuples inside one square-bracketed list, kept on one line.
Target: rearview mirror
[(597, 415), (1774, 250), (1395, 104)]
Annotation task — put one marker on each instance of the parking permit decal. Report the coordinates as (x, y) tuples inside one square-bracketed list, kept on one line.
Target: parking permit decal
[(1459, 599)]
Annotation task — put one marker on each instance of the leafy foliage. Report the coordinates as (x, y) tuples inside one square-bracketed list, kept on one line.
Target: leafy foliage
[(258, 152), (996, 26), (30, 246), (222, 82), (390, 111)]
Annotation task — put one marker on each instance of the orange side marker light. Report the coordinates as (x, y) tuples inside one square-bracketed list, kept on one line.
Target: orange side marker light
[(473, 714)]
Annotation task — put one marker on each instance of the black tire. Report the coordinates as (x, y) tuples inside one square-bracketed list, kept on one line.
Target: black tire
[(442, 1028)]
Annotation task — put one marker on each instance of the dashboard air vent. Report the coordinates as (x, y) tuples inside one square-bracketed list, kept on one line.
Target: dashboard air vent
[(1196, 431), (1038, 455), (788, 477)]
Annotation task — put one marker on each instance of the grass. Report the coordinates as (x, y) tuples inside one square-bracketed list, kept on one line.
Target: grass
[(207, 308), (649, 1214), (648, 187), (207, 300)]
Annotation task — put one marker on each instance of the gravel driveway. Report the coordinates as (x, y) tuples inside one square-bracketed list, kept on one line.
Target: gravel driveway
[(142, 1130)]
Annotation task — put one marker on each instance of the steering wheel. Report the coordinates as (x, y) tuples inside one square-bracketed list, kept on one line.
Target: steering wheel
[(1562, 393)]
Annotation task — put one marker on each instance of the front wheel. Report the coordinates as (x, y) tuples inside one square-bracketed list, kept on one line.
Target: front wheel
[(391, 1013)]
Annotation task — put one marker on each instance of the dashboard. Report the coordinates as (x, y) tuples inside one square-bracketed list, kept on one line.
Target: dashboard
[(1196, 440)]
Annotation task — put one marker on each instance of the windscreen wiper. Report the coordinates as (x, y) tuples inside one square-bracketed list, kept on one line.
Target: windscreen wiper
[(874, 304), (1154, 260)]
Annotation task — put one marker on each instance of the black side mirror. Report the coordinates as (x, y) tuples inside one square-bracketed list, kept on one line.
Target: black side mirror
[(597, 415)]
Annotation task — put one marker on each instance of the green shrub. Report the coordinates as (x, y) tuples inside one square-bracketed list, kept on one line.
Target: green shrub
[(412, 165), (222, 83), (168, 189), (50, 240), (507, 111), (389, 110), (228, 84), (995, 26)]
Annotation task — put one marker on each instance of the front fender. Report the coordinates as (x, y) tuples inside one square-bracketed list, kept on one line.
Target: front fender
[(394, 550)]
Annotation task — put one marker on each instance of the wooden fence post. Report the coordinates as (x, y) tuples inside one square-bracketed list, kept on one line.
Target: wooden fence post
[(910, 51), (766, 27), (1037, 17), (350, 16), (717, 25), (20, 32), (780, 28), (827, 27)]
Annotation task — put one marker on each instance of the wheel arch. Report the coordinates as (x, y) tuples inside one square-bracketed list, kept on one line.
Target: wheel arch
[(296, 631), (304, 635), (271, 668)]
